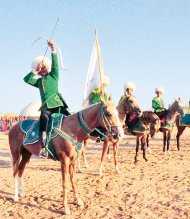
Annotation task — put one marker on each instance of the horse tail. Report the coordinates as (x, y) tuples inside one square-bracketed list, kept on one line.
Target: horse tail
[(15, 143)]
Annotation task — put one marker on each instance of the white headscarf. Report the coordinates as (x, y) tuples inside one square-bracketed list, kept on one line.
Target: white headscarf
[(38, 60)]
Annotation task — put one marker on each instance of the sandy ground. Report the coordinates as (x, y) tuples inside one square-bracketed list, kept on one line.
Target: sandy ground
[(159, 188)]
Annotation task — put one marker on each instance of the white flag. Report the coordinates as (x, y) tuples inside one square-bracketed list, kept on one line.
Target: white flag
[(93, 75)]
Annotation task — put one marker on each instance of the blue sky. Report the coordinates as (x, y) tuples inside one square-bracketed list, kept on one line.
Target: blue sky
[(147, 42)]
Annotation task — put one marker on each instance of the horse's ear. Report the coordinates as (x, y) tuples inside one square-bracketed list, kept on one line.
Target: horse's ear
[(110, 97)]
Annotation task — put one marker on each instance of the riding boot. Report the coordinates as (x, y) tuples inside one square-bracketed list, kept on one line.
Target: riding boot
[(44, 152)]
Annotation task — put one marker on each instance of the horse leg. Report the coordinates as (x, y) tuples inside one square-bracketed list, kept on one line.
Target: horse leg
[(168, 141), (143, 145), (115, 150), (84, 156), (164, 141), (26, 155), (147, 143), (108, 153), (84, 153), (180, 130), (65, 170), (15, 163), (104, 151), (72, 179), (137, 149)]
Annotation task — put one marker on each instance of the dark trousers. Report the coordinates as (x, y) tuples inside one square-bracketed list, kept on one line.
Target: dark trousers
[(45, 116), (162, 114)]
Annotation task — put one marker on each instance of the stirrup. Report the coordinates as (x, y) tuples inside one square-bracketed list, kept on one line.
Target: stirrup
[(43, 153), (98, 140)]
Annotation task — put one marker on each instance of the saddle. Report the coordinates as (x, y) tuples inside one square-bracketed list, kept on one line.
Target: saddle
[(31, 129), (184, 120)]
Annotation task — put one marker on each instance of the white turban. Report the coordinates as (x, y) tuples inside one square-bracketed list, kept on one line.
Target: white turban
[(38, 60), (129, 85), (105, 80), (159, 89)]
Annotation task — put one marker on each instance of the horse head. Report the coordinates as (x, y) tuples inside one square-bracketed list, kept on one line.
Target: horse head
[(129, 104), (153, 120), (109, 119), (177, 106)]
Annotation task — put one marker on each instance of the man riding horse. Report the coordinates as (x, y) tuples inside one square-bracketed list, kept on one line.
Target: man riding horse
[(95, 97), (44, 76), (96, 94), (158, 104), (131, 118)]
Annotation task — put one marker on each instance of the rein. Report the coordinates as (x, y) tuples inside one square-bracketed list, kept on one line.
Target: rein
[(87, 130)]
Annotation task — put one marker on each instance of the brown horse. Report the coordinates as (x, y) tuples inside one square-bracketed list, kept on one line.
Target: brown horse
[(177, 107), (128, 104), (151, 124), (70, 134)]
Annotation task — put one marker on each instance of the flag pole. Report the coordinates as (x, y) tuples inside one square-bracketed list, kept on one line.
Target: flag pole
[(99, 61)]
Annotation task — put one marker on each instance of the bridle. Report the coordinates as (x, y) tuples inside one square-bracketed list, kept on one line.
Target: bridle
[(129, 107), (101, 115)]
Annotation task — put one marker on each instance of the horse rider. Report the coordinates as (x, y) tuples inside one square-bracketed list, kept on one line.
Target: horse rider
[(97, 93), (44, 76), (95, 97), (131, 118), (158, 103)]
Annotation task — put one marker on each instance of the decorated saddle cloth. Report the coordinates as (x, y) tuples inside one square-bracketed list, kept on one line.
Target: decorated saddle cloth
[(31, 128), (140, 128), (184, 120)]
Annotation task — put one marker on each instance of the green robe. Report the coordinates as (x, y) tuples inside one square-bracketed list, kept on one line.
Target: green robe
[(158, 104), (95, 96), (48, 86)]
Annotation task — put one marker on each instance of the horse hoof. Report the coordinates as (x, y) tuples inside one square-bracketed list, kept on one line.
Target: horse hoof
[(117, 170), (100, 173), (109, 157), (15, 199), (67, 211), (21, 195), (87, 166), (80, 202), (79, 171)]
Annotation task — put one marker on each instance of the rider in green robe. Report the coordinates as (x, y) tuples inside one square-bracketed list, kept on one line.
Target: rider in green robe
[(158, 103), (44, 76), (97, 92), (95, 97), (131, 118)]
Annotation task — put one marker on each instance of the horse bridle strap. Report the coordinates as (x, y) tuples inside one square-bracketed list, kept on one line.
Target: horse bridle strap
[(69, 138), (86, 129), (83, 124)]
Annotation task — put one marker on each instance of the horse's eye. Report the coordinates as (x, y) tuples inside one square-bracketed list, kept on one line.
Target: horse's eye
[(108, 114), (131, 101)]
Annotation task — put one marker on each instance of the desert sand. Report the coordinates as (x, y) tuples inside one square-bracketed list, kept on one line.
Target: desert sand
[(159, 188)]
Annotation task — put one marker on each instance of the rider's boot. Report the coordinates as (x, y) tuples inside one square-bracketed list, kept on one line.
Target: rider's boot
[(44, 152)]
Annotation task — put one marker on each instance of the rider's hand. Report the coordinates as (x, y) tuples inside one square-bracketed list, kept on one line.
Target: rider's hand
[(39, 67), (52, 45)]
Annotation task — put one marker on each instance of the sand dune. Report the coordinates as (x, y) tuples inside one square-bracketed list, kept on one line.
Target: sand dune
[(159, 188)]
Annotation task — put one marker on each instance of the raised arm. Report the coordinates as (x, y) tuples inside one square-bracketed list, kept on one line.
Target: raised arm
[(54, 68)]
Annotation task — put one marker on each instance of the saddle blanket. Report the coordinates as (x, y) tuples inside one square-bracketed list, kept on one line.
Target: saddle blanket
[(184, 120), (31, 128)]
